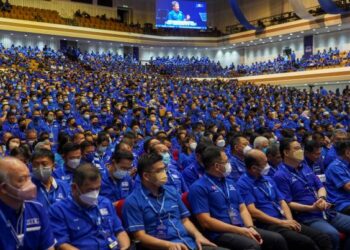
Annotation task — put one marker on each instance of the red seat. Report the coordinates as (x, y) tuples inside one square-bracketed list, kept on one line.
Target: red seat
[(184, 198), (342, 236), (118, 205)]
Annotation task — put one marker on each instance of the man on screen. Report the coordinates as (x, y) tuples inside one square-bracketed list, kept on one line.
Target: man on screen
[(176, 14)]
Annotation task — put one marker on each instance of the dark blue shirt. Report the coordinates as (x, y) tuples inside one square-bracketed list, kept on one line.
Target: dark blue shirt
[(263, 193), (337, 175), (299, 186), (216, 196), (192, 173), (85, 228), (238, 168), (115, 189), (330, 156), (36, 228), (144, 211)]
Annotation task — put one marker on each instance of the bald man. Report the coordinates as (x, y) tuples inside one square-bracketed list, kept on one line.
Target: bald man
[(268, 207), (23, 222)]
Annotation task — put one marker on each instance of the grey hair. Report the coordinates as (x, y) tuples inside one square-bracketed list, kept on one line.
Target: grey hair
[(259, 140)]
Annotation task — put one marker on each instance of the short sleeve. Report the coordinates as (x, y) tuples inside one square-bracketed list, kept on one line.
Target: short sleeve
[(337, 175), (46, 238), (283, 187), (58, 225), (133, 215), (245, 193), (198, 199)]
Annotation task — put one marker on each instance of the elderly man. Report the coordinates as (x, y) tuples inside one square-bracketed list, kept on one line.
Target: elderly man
[(261, 143), (23, 223)]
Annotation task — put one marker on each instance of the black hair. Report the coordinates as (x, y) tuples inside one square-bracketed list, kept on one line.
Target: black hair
[(250, 161), (202, 145), (341, 147), (210, 155), (101, 137), (43, 152), (21, 150), (70, 147), (86, 144), (84, 172), (121, 155), (146, 162), (273, 149), (285, 145), (311, 146)]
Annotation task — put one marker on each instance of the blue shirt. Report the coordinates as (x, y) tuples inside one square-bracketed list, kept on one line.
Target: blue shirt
[(299, 186), (59, 190), (85, 228), (36, 229), (238, 168), (192, 173), (263, 193), (316, 166), (178, 16), (330, 156), (216, 196), (115, 189), (61, 173), (144, 211), (337, 175)]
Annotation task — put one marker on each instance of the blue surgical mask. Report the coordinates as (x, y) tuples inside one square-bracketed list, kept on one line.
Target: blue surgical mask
[(120, 174), (166, 158)]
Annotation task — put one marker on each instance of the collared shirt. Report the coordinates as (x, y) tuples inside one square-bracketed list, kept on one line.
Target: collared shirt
[(216, 196), (59, 190), (337, 175), (316, 166), (238, 168), (61, 173), (144, 211), (262, 192), (115, 189), (34, 223), (330, 156), (299, 186), (85, 228), (192, 173)]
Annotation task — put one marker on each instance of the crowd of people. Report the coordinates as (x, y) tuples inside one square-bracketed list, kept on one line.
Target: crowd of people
[(193, 164)]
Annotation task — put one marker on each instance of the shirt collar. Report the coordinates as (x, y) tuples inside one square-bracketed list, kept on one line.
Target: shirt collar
[(343, 161), (148, 193)]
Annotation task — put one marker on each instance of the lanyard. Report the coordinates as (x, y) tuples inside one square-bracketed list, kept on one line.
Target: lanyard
[(227, 195), (151, 205), (46, 196), (307, 184), (19, 233), (269, 196)]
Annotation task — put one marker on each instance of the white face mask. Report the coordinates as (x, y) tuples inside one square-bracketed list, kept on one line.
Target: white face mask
[(90, 198), (193, 146), (221, 143), (228, 169), (74, 163), (266, 170), (246, 149)]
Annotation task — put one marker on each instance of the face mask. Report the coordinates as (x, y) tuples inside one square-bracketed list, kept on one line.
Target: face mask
[(27, 192), (50, 118), (246, 149), (42, 173), (166, 158), (161, 179), (90, 198), (266, 170), (228, 169), (120, 174), (45, 103), (13, 145), (87, 117), (31, 142), (299, 155), (74, 163), (264, 150), (67, 112), (193, 146), (101, 149), (89, 157), (220, 143), (104, 113)]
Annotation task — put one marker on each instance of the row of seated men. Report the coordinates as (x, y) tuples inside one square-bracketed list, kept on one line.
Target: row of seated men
[(271, 199)]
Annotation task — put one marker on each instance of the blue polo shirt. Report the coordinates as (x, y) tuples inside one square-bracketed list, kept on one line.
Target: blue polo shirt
[(158, 216), (299, 186), (85, 228), (59, 190), (216, 196), (330, 156), (61, 173), (36, 228), (316, 166), (115, 189), (262, 192), (238, 168), (337, 175), (192, 173)]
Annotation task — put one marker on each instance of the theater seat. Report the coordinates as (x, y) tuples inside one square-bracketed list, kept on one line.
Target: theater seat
[(342, 236), (118, 205), (184, 198)]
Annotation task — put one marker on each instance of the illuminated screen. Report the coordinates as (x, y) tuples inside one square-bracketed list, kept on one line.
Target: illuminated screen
[(183, 14)]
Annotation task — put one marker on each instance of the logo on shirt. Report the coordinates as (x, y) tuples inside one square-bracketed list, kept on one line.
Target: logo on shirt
[(294, 179), (33, 221), (125, 184), (231, 188), (104, 211)]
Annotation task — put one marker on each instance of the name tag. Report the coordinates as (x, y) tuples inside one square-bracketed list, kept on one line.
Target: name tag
[(322, 177), (175, 176), (33, 221), (104, 211), (232, 188), (33, 229), (125, 184)]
